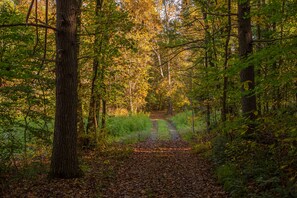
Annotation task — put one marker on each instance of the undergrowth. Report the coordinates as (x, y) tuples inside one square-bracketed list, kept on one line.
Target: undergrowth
[(128, 129), (261, 165), (184, 124)]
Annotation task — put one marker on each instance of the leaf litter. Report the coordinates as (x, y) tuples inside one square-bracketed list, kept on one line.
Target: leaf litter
[(164, 169), (150, 169)]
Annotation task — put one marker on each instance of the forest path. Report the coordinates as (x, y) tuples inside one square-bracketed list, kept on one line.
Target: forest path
[(164, 169)]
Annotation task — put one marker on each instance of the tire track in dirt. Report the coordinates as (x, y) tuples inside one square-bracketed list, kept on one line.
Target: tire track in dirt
[(173, 132), (164, 169)]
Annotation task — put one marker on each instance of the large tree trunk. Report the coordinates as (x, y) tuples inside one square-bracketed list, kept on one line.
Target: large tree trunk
[(64, 162), (247, 75)]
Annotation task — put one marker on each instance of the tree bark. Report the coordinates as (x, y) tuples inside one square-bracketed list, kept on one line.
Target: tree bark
[(206, 64), (93, 100), (94, 108), (103, 97), (259, 47), (80, 119), (167, 25), (227, 56), (247, 75), (64, 162), (170, 105)]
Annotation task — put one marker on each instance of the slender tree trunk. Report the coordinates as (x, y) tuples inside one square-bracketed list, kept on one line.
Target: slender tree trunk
[(227, 56), (170, 106), (80, 120), (131, 106), (275, 68), (64, 162), (280, 90), (92, 108), (159, 62), (259, 47), (169, 99), (295, 93), (191, 100), (247, 75), (103, 121), (104, 95), (92, 116), (130, 96), (206, 62), (92, 124)]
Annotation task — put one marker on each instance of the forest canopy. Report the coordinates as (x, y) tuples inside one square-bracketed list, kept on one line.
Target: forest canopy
[(72, 72)]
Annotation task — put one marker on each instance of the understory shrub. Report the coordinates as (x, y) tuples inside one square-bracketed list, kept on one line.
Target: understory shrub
[(262, 166), (184, 123)]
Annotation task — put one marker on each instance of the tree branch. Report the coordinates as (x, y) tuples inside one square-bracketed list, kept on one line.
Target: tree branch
[(29, 24), (29, 11), (221, 14), (272, 40), (176, 53), (183, 44)]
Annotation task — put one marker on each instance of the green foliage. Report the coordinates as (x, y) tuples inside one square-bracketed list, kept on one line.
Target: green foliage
[(25, 93), (261, 166), (10, 144), (228, 176), (128, 128), (202, 147), (187, 63), (183, 122)]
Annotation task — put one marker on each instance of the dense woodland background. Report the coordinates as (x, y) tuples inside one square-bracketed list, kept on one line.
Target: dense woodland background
[(225, 70)]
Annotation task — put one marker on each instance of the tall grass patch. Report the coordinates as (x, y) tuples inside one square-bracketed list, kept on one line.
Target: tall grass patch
[(184, 124), (128, 129)]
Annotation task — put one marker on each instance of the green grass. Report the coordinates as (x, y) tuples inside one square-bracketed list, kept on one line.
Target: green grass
[(128, 129), (183, 123), (163, 131)]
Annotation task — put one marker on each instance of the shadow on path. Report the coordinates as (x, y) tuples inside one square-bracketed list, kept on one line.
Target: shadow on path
[(164, 169)]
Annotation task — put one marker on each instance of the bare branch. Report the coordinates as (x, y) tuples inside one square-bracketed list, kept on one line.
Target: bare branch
[(272, 40), (28, 24), (36, 22), (221, 14), (46, 32), (183, 44), (29, 11), (176, 53)]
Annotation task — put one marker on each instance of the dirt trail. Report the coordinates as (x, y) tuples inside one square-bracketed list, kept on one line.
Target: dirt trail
[(156, 168), (164, 169), (173, 133), (153, 136)]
